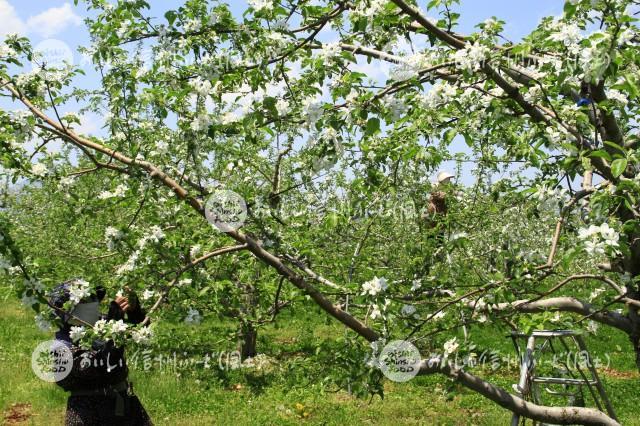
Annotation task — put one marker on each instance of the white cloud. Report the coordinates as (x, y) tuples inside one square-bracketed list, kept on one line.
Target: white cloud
[(11, 23), (53, 20)]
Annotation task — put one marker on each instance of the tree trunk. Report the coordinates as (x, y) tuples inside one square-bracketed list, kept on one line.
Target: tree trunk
[(248, 340), (248, 334)]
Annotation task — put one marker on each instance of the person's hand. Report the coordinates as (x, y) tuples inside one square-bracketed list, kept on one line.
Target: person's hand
[(123, 303)]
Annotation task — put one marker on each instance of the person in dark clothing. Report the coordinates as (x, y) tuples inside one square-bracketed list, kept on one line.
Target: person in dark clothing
[(437, 205), (100, 392), (432, 218)]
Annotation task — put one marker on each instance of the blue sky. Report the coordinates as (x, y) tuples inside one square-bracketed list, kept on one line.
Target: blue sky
[(59, 19), (44, 21)]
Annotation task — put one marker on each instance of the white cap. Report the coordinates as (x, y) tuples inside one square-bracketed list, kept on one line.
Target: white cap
[(442, 176)]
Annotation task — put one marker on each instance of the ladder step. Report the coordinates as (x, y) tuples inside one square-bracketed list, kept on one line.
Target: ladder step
[(563, 381)]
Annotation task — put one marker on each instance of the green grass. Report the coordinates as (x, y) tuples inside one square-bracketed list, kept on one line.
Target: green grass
[(292, 394)]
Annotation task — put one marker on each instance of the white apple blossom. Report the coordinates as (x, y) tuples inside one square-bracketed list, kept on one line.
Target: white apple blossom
[(143, 335), (162, 147), (534, 94), (156, 233), (396, 107), (375, 312), (118, 327), (130, 264), (111, 236), (594, 247), (39, 169), (330, 51), (440, 93), (312, 110), (77, 333), (369, 9), (472, 57), (617, 96), (120, 192), (6, 51), (569, 34), (626, 36), (201, 122), (66, 181), (229, 118), (282, 106), (147, 294), (451, 346), (78, 290), (598, 238), (194, 250), (609, 235), (550, 198), (375, 286), (100, 327), (200, 86), (192, 25), (259, 5)]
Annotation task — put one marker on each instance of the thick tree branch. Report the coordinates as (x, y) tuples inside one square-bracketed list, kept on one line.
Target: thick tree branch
[(564, 304), (541, 413)]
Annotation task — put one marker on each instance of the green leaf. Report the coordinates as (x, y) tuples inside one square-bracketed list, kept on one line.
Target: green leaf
[(618, 167), (616, 146), (601, 153), (569, 9), (373, 126), (449, 135), (171, 16), (631, 86)]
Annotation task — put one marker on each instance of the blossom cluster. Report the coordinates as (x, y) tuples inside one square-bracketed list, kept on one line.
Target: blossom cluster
[(78, 290), (598, 238), (112, 329), (155, 235), (472, 57), (120, 191), (374, 286), (440, 93), (112, 236)]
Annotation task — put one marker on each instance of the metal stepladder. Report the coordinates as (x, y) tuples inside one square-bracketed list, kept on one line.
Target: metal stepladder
[(568, 371)]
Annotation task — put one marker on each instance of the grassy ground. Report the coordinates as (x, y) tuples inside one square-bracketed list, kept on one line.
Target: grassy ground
[(197, 395)]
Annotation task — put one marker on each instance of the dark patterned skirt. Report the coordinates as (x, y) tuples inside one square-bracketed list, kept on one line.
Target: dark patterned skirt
[(99, 410)]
